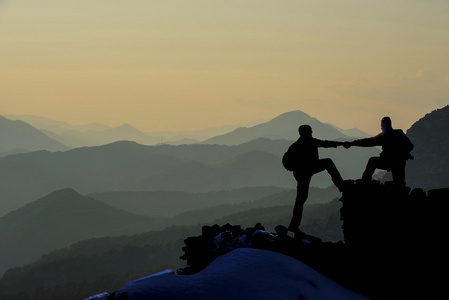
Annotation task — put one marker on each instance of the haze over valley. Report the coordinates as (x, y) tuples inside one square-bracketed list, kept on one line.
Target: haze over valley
[(244, 157)]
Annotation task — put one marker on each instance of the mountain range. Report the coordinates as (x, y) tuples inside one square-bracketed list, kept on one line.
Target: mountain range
[(128, 166), (18, 137), (95, 134), (283, 127), (149, 252), (89, 135), (133, 188), (172, 203), (58, 220), (65, 217)]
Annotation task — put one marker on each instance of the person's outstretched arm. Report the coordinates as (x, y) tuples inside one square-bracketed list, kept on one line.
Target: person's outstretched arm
[(368, 142), (328, 144)]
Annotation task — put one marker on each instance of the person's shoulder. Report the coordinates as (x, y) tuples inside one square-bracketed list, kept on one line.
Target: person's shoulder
[(301, 142), (295, 144), (398, 132), (304, 139), (310, 140)]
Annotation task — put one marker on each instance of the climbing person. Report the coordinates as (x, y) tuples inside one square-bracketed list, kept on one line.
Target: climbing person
[(396, 147), (303, 159)]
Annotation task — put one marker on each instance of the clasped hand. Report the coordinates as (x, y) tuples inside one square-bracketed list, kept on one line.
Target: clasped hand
[(347, 145)]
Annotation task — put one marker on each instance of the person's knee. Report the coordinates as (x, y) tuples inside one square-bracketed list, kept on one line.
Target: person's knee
[(373, 160)]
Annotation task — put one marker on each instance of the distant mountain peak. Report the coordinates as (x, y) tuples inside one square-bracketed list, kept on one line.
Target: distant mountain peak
[(284, 126), (58, 220), (65, 192), (297, 116), (126, 125), (293, 113), (63, 196)]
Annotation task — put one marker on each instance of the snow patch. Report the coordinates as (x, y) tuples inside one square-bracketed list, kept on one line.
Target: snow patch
[(245, 273)]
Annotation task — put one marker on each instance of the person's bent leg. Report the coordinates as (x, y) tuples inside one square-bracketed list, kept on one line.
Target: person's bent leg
[(373, 164), (328, 165)]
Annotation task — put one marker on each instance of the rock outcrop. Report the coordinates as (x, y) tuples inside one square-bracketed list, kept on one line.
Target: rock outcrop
[(395, 242)]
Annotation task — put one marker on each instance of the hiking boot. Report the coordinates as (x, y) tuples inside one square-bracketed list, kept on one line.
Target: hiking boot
[(298, 233), (281, 230)]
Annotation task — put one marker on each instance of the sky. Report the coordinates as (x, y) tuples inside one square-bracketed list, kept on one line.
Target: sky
[(174, 65)]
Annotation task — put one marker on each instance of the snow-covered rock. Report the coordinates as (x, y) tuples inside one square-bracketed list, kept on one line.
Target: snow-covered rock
[(244, 273)]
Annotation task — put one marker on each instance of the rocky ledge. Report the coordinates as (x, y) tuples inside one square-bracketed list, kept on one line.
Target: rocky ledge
[(395, 242)]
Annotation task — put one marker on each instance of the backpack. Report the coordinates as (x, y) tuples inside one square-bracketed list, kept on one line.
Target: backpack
[(403, 145), (289, 161)]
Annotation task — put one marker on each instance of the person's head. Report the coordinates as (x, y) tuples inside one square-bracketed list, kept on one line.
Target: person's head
[(305, 130), (385, 124)]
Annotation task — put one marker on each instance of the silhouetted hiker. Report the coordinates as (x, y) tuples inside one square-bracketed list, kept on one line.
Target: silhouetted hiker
[(305, 163), (396, 147)]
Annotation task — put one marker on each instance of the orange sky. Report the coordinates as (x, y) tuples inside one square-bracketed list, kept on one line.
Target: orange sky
[(186, 65)]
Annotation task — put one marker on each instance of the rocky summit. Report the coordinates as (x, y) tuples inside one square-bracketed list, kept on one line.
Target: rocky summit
[(394, 248), (394, 242)]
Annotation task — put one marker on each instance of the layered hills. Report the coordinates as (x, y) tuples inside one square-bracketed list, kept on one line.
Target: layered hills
[(18, 136), (95, 134), (128, 166), (66, 217), (283, 127), (158, 178), (58, 220), (109, 262), (172, 203)]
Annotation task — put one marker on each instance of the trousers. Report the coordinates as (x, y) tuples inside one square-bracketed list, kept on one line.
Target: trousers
[(303, 178), (397, 168)]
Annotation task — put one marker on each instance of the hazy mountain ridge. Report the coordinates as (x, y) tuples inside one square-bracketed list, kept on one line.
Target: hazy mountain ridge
[(65, 217), (430, 168), (175, 138), (55, 126), (352, 132), (95, 134), (172, 203), (93, 138), (175, 169), (284, 126), (128, 166), (18, 136), (219, 205), (146, 253), (58, 220)]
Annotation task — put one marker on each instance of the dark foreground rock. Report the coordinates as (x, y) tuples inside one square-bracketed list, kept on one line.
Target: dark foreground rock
[(395, 242)]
